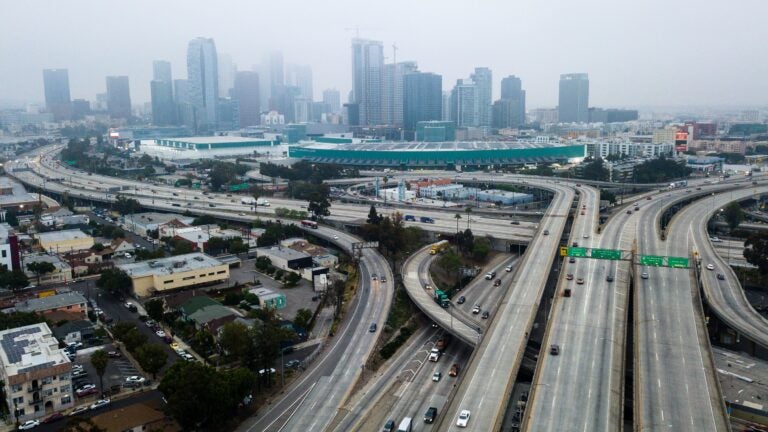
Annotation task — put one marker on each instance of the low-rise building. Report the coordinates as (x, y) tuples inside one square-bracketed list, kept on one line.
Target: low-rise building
[(62, 271), (62, 216), (75, 331), (321, 257), (70, 303), (85, 262), (64, 241), (285, 258), (140, 223), (269, 298), (181, 271), (14, 196), (138, 417), (36, 374), (206, 313)]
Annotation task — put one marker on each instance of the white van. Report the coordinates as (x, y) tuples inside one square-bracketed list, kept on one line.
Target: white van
[(405, 425)]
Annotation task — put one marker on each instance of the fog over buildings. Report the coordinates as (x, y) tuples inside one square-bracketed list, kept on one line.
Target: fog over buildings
[(660, 53)]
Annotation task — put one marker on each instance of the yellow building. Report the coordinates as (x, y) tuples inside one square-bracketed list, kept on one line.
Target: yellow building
[(64, 241), (181, 271)]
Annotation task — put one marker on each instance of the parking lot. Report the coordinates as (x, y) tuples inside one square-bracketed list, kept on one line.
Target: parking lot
[(118, 369)]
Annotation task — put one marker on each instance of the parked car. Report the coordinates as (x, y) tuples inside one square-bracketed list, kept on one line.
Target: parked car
[(135, 378), (160, 333), (100, 403), (293, 364), (79, 410), (29, 424)]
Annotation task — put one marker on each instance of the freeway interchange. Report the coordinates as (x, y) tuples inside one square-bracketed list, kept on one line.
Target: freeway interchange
[(581, 387)]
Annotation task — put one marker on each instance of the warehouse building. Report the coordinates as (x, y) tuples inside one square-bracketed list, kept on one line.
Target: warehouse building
[(457, 154), (187, 150), (173, 273), (35, 373), (64, 241)]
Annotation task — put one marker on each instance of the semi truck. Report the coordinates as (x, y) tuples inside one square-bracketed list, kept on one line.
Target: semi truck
[(441, 298), (439, 247), (678, 184), (252, 201)]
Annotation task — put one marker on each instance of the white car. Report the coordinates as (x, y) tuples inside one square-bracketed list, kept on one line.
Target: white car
[(710, 267), (586, 235), (644, 275), (463, 418), (100, 403), (78, 410), (29, 424), (135, 379), (335, 237), (160, 333)]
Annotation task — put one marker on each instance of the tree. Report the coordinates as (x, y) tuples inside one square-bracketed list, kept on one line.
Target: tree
[(303, 318), (235, 340), (203, 342), (13, 280), (204, 220), (468, 211), (733, 214), (319, 203), (182, 247), (457, 217), (756, 251), (595, 170), (373, 216), (19, 319), (151, 357), (11, 218), (115, 281), (199, 397), (154, 309), (99, 360), (126, 205), (40, 268)]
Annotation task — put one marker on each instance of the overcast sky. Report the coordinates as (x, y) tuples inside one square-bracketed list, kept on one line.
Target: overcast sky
[(656, 52)]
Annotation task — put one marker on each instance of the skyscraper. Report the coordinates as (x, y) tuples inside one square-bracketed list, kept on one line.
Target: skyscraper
[(57, 97), (368, 80), (446, 106), (227, 70), (509, 111), (161, 71), (161, 90), (203, 82), (392, 101), (573, 106), (332, 97), (301, 77), (464, 110), (276, 71), (483, 78), (422, 98), (246, 92), (118, 97), (185, 113)]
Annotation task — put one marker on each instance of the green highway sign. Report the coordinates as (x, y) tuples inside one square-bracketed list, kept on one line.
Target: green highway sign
[(677, 262), (610, 254), (577, 251), (652, 260)]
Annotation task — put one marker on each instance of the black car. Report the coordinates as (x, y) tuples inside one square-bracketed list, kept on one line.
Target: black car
[(486, 314), (430, 415), (461, 300), (389, 426), (721, 276)]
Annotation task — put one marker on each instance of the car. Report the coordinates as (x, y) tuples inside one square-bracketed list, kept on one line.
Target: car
[(436, 376), (554, 349), (463, 419), (383, 279), (135, 378), (710, 266), (508, 268), (514, 222), (160, 333), (609, 278), (546, 232), (490, 275), (85, 387), (100, 403), (644, 275), (586, 235), (389, 426), (698, 188), (571, 260), (575, 244), (566, 292), (74, 346), (569, 276), (430, 415), (372, 328), (721, 276), (150, 323), (113, 354), (129, 305), (335, 237), (188, 357), (580, 281), (454, 370), (53, 418), (648, 198), (77, 367), (79, 410), (497, 282), (715, 239), (476, 309), (241, 214), (629, 212), (461, 300), (293, 363), (582, 213), (175, 346), (29, 424), (485, 314), (87, 392), (374, 277)]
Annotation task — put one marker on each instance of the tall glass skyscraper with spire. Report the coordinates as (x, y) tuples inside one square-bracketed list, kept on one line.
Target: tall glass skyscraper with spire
[(203, 82)]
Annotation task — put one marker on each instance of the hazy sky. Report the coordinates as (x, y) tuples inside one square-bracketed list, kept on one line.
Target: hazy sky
[(656, 52)]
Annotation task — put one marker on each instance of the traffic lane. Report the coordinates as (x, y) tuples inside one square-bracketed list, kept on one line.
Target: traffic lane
[(151, 397)]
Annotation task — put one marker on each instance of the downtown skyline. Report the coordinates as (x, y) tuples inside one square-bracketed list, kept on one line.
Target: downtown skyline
[(667, 62)]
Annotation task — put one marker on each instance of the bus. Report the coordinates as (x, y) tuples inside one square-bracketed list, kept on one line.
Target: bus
[(439, 247), (309, 223)]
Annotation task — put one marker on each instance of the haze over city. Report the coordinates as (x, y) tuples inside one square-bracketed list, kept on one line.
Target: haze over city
[(684, 53)]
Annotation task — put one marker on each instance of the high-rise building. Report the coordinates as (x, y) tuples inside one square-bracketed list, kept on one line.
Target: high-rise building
[(163, 106), (332, 97), (203, 82), (573, 104), (509, 111), (392, 102), (118, 97), (185, 112), (80, 109), (483, 78), (302, 78), (57, 97), (161, 71), (464, 110), (246, 92), (276, 71), (227, 70), (422, 98), (446, 106), (368, 80)]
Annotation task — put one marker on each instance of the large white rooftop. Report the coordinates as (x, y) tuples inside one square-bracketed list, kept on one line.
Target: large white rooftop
[(59, 236), (171, 265), (29, 348)]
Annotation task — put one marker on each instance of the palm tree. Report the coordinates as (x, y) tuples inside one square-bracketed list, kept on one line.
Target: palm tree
[(99, 360), (468, 210)]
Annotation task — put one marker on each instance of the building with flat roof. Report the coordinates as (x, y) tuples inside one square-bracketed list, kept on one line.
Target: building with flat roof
[(140, 223), (14, 196), (286, 258), (210, 147), (69, 302), (36, 374), (64, 241), (136, 418), (177, 272), (62, 271), (438, 154), (269, 298)]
